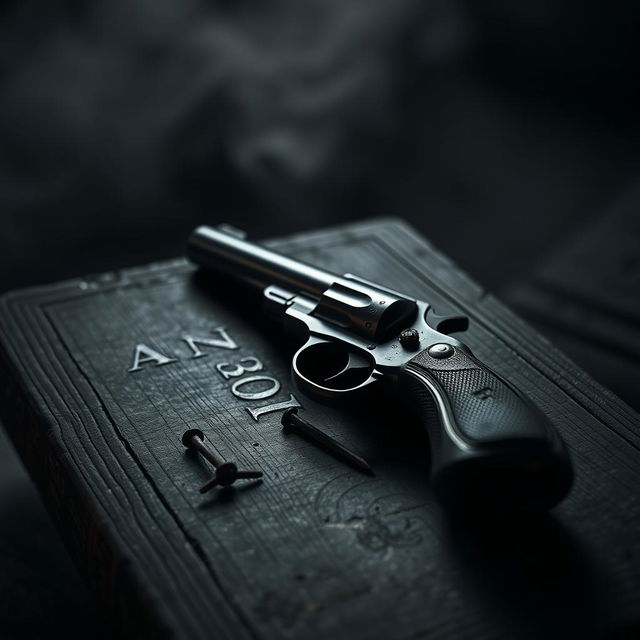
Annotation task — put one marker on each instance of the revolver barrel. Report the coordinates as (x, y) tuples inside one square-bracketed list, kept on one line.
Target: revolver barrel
[(370, 311), (226, 253)]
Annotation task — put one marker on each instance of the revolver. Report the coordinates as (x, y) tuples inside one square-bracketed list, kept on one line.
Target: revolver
[(490, 445)]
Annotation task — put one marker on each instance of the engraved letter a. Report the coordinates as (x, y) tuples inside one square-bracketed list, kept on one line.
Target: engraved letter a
[(144, 354), (225, 341)]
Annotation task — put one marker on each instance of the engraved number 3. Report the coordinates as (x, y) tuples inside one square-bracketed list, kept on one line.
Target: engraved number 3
[(245, 365)]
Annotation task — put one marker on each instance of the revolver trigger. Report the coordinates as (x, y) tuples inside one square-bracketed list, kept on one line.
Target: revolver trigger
[(354, 363), (332, 370), (447, 323)]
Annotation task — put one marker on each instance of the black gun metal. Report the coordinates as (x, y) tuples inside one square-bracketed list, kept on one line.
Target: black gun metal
[(491, 446)]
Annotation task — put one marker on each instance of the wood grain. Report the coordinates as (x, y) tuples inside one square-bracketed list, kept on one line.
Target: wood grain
[(316, 550), (586, 296)]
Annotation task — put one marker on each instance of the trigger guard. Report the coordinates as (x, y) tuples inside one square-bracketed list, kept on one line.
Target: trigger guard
[(315, 388)]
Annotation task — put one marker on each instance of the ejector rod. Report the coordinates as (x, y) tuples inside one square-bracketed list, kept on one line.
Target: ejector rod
[(220, 251)]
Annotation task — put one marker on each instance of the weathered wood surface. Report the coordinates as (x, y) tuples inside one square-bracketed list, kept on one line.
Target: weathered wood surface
[(586, 296), (316, 550)]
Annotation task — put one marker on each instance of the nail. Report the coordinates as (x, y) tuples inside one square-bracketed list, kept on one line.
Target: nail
[(292, 422), (226, 472)]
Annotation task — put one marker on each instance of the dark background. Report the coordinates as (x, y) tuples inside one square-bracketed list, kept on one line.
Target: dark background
[(506, 132)]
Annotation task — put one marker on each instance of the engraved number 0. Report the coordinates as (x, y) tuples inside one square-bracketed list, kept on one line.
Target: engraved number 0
[(249, 365), (274, 387), (239, 369)]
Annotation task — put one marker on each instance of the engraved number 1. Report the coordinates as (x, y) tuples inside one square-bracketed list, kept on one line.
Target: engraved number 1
[(270, 408)]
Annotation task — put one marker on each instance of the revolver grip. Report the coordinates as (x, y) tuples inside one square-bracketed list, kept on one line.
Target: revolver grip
[(490, 446)]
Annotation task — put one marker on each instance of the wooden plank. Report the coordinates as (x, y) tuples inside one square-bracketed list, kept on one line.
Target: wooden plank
[(317, 549), (586, 296)]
